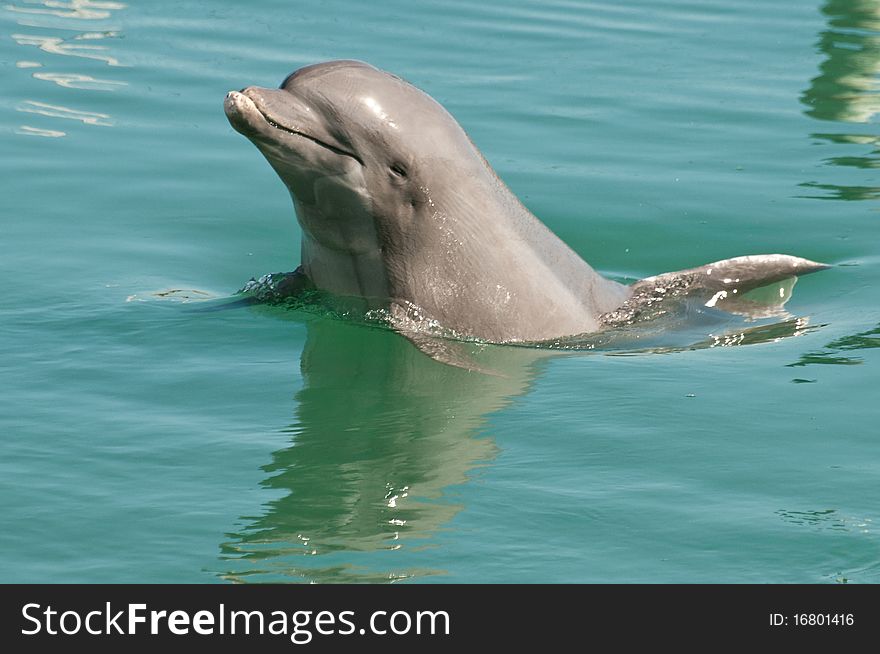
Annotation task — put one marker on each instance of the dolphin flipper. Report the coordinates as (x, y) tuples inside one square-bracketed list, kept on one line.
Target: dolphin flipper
[(716, 281), (278, 286)]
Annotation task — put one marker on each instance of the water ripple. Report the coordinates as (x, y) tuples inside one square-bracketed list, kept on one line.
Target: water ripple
[(61, 46), (57, 111), (65, 16), (76, 9), (36, 131), (77, 81)]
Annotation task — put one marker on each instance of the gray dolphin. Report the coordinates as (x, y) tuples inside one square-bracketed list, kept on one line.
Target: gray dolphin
[(398, 207)]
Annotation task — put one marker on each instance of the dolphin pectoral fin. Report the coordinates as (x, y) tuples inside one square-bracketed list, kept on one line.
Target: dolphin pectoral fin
[(721, 284), (294, 284), (267, 289), (278, 286)]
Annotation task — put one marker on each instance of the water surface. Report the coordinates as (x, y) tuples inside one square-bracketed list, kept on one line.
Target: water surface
[(145, 441)]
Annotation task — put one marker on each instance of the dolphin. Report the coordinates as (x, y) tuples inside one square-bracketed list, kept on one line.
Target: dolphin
[(400, 209)]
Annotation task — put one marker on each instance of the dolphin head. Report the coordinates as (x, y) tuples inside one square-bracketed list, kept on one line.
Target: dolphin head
[(355, 146)]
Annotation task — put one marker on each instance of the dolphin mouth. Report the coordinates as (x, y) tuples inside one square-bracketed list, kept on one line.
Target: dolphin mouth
[(295, 132), (241, 109)]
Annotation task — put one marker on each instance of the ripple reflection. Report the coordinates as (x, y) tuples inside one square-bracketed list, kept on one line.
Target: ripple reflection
[(57, 111), (76, 9), (63, 17), (60, 46), (75, 81), (847, 90), (36, 131)]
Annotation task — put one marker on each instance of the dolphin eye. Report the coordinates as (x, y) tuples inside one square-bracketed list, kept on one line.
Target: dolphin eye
[(398, 170)]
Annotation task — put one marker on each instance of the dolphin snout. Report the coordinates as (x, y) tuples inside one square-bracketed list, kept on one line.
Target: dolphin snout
[(241, 112)]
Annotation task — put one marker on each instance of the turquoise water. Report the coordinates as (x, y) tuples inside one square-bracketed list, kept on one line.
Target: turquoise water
[(146, 441)]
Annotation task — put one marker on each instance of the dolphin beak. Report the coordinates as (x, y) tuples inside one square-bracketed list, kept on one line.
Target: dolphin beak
[(269, 113), (242, 113)]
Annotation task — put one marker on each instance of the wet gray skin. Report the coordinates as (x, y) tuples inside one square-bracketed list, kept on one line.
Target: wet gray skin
[(397, 206)]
